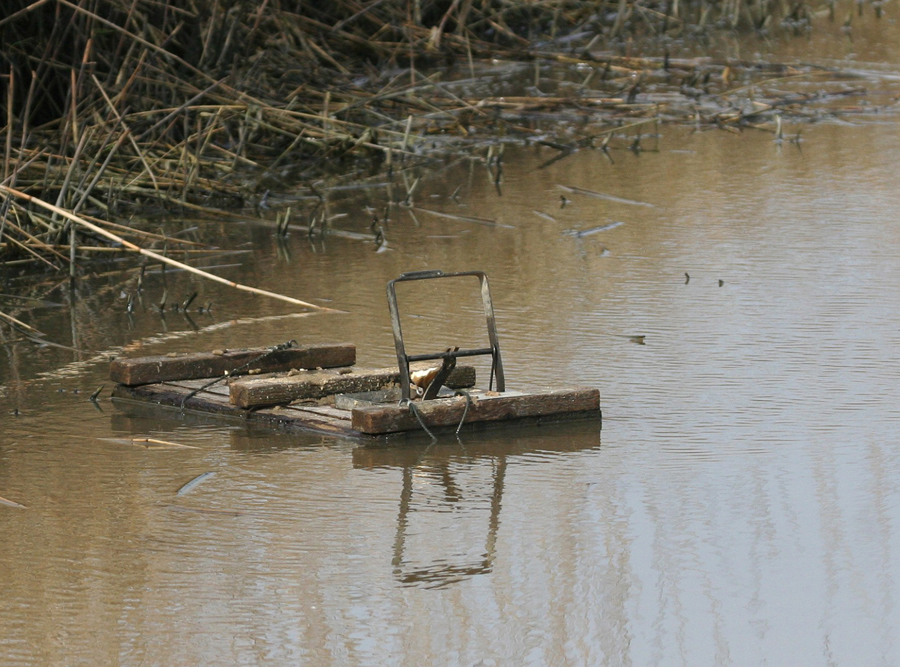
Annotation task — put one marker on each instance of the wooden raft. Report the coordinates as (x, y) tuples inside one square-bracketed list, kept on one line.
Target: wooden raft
[(298, 390)]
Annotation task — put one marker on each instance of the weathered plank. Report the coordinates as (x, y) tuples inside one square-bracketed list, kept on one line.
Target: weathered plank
[(335, 422), (508, 406), (145, 370), (304, 417), (253, 392)]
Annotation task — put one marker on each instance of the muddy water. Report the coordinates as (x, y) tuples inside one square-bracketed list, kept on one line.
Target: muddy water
[(740, 506)]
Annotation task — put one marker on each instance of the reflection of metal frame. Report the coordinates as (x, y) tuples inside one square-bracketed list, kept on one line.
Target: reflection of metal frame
[(438, 576), (501, 449), (403, 359)]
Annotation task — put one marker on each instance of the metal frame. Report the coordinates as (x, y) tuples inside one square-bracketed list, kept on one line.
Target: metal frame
[(403, 359)]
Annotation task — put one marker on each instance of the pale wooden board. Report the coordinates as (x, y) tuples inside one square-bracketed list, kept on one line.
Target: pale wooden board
[(250, 392), (168, 368)]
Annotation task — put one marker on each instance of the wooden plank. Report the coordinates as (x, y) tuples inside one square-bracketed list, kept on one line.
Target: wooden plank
[(310, 420), (254, 392), (508, 406), (169, 368), (171, 395)]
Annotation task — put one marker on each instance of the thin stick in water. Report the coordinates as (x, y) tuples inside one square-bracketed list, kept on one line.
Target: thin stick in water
[(160, 258), (187, 488), (12, 503)]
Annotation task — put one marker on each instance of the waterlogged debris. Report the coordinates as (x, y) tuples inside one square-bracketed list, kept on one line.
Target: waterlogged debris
[(687, 278), (557, 146), (464, 218), (19, 325), (721, 282), (189, 300), (603, 195), (149, 442), (93, 397), (38, 303), (12, 503), (190, 486), (205, 510), (581, 233), (42, 342), (637, 339), (636, 145), (557, 158)]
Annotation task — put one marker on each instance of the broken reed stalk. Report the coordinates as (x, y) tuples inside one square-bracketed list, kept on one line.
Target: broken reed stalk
[(18, 323), (12, 503), (9, 122), (149, 253), (161, 443)]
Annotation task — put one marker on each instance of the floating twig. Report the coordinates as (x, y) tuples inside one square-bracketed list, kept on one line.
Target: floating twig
[(464, 218), (602, 195), (199, 479), (581, 233), (160, 443), (12, 503)]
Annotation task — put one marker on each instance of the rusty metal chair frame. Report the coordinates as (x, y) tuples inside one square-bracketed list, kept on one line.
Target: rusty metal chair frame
[(404, 359)]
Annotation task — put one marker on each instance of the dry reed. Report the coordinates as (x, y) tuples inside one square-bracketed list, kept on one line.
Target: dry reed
[(117, 106)]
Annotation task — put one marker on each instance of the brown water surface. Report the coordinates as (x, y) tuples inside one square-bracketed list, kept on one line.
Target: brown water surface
[(741, 507)]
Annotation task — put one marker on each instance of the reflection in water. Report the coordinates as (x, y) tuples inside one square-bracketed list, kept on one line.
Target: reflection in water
[(440, 466), (444, 574)]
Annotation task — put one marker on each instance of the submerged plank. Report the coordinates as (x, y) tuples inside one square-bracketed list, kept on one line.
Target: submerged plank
[(254, 392), (304, 417), (509, 406), (165, 368)]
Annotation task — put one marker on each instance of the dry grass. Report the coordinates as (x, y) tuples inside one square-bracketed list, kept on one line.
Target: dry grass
[(117, 105)]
